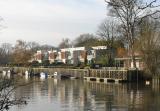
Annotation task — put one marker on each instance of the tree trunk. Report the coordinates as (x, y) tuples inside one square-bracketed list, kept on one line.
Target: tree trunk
[(133, 58)]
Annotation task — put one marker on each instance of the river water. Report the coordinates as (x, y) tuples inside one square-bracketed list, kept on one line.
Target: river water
[(78, 95)]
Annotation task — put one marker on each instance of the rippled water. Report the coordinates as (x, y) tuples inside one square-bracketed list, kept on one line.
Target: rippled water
[(77, 95)]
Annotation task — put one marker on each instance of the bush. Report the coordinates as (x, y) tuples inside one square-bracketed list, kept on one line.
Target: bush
[(45, 63), (35, 63)]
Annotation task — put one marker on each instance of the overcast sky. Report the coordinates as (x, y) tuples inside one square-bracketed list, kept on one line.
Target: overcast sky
[(49, 21)]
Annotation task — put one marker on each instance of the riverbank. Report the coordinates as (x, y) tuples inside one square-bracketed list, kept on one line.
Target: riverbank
[(101, 75)]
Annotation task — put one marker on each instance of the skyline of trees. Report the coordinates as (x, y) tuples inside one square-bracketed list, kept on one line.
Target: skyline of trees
[(122, 30)]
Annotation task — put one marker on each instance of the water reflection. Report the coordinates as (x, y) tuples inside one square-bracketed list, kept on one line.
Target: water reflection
[(77, 95)]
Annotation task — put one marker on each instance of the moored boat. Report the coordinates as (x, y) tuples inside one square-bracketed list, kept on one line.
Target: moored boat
[(26, 74), (43, 75), (9, 73), (4, 73), (56, 75)]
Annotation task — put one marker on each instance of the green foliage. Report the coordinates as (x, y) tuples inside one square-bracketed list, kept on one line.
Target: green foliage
[(111, 62), (118, 44), (91, 64), (45, 63), (102, 60), (35, 63)]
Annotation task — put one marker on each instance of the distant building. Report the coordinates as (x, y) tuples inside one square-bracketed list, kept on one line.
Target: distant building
[(88, 55), (94, 53), (127, 62), (38, 56), (74, 55), (53, 56)]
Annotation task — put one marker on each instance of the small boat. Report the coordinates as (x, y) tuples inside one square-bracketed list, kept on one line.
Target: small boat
[(36, 74), (147, 82), (73, 77), (4, 73), (9, 73), (56, 75), (26, 74), (43, 75)]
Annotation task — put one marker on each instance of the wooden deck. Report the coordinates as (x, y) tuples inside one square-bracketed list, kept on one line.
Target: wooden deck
[(103, 75)]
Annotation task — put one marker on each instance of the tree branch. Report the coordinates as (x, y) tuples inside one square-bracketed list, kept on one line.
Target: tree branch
[(149, 5)]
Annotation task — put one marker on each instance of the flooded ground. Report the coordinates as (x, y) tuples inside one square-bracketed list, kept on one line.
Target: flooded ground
[(77, 95)]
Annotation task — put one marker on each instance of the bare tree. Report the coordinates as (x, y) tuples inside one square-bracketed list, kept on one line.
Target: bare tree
[(108, 30), (149, 45), (21, 53), (130, 13), (65, 43), (86, 40), (33, 46), (46, 47), (7, 98), (5, 48), (5, 53)]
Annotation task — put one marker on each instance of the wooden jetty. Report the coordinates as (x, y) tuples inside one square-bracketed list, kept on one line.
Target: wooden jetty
[(103, 75)]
